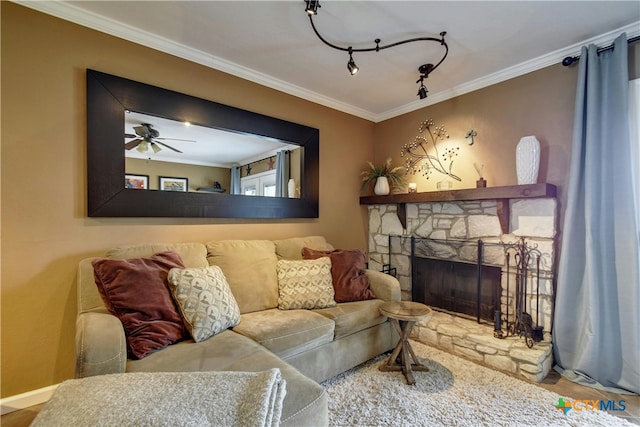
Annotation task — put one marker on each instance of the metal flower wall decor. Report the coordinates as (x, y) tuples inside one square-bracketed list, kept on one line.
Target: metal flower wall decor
[(426, 154)]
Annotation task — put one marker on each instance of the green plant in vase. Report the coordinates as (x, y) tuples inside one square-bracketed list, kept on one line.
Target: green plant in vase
[(385, 177)]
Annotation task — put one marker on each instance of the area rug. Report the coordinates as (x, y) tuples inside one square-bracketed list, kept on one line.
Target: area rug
[(454, 392)]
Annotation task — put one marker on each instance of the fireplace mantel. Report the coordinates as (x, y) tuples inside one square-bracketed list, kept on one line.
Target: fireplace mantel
[(502, 195)]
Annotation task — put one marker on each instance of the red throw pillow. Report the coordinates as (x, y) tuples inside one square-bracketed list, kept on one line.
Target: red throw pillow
[(350, 282), (136, 291)]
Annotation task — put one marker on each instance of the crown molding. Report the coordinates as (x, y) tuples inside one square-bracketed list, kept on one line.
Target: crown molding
[(69, 12)]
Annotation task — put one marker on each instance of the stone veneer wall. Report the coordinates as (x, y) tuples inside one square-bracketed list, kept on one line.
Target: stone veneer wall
[(446, 225)]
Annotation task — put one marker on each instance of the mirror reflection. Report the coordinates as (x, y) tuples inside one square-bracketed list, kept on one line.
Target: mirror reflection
[(169, 155)]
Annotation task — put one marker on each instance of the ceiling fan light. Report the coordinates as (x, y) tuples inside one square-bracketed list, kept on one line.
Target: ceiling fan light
[(155, 147), (143, 146)]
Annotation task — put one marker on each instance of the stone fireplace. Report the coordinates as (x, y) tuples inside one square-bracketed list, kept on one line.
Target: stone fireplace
[(452, 286), (448, 231)]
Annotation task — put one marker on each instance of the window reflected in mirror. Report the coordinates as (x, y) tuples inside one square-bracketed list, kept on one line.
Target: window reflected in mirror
[(209, 160)]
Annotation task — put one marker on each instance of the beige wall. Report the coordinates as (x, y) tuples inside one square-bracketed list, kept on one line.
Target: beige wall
[(45, 230), (539, 103)]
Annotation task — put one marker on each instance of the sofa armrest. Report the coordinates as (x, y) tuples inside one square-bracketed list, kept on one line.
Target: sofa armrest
[(101, 347), (384, 286)]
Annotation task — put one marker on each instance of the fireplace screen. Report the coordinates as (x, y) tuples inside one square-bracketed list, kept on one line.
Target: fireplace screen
[(453, 287)]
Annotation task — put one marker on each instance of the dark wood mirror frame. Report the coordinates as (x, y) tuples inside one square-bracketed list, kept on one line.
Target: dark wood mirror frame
[(108, 97)]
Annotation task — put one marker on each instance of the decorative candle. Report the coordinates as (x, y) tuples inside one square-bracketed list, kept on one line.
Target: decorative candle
[(413, 187)]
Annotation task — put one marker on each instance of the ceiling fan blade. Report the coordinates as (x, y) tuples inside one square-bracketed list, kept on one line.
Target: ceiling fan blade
[(176, 139), (168, 146), (130, 135), (132, 144)]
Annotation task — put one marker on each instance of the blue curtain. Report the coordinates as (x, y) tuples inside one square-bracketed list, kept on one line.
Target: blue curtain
[(282, 173), (596, 333), (235, 180)]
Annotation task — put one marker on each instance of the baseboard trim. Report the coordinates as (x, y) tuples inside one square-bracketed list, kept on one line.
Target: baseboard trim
[(25, 400)]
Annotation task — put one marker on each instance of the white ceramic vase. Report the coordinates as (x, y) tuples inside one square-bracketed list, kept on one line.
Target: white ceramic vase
[(528, 160), (382, 186), (291, 188)]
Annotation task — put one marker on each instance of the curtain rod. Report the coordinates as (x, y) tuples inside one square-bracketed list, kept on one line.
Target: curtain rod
[(571, 59)]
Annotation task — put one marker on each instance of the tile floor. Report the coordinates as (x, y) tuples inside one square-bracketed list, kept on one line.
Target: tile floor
[(554, 382)]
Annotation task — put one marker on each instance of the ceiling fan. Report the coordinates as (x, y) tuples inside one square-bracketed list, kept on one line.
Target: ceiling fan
[(146, 136)]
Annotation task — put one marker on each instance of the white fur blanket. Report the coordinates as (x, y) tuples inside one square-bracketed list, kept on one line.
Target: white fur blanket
[(167, 399)]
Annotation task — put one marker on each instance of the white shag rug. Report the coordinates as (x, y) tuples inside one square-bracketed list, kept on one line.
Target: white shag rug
[(454, 392)]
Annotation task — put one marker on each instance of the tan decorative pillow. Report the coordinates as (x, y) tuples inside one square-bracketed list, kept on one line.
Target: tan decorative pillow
[(205, 300), (305, 284)]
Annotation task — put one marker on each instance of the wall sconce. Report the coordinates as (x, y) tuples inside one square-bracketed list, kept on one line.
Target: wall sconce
[(470, 134)]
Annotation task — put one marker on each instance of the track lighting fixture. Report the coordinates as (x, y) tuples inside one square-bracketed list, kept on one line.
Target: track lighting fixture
[(312, 7), (351, 65)]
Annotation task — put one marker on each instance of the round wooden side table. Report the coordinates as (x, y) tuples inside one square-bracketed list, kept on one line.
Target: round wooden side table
[(403, 315)]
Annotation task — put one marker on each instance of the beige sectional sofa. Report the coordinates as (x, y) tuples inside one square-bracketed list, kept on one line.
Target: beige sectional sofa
[(308, 346)]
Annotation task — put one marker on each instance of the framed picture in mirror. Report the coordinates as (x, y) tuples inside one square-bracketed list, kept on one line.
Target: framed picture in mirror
[(168, 183), (136, 182)]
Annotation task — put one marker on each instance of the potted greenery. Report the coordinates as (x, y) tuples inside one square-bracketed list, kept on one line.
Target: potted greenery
[(385, 177)]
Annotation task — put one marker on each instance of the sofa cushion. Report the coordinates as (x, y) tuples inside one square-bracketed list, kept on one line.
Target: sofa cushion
[(250, 268), (348, 271), (135, 290), (305, 284), (204, 299), (287, 332), (352, 317), (292, 248), (305, 402), (192, 254)]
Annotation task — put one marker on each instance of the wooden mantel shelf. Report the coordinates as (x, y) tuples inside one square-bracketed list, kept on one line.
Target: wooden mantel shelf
[(500, 194)]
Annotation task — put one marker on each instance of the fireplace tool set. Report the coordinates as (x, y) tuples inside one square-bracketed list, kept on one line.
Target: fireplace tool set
[(522, 325)]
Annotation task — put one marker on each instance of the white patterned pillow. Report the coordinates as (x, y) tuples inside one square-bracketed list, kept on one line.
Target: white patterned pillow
[(305, 284), (205, 300)]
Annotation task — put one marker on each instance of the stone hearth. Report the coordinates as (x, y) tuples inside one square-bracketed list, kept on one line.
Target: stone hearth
[(470, 220), (476, 342)]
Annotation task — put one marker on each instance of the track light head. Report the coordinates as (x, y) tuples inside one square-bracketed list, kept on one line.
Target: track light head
[(351, 65), (312, 7), (424, 73), (422, 91)]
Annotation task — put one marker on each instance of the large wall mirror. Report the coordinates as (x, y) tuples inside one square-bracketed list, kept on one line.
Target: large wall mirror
[(153, 152)]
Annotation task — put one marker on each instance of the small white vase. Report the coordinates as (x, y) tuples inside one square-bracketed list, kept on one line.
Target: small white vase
[(382, 186), (291, 188), (528, 160)]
